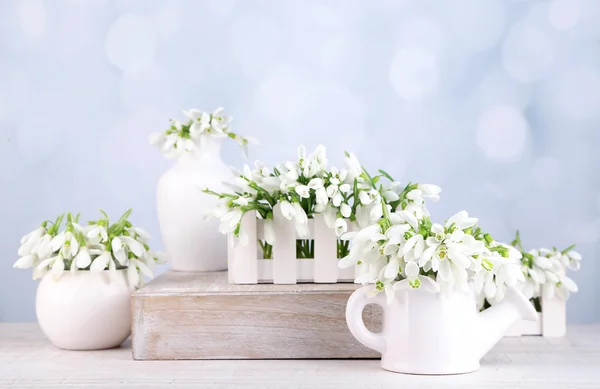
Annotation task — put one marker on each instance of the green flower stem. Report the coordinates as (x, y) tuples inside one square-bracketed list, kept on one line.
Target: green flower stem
[(517, 242)]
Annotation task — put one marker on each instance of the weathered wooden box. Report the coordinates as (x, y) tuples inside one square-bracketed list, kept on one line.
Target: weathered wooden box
[(201, 316)]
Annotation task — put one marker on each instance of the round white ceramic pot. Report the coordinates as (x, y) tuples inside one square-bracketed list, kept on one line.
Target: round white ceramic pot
[(193, 243), (85, 310)]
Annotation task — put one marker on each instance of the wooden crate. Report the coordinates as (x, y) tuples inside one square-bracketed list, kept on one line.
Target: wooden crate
[(284, 268), (201, 316)]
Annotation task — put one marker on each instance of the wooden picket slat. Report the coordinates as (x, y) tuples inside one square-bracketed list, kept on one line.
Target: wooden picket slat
[(325, 261), (242, 258), (284, 249)]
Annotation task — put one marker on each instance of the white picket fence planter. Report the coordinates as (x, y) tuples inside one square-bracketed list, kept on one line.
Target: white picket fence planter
[(552, 321), (246, 268)]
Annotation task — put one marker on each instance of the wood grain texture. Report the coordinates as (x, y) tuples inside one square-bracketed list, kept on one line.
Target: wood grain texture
[(202, 316), (28, 360)]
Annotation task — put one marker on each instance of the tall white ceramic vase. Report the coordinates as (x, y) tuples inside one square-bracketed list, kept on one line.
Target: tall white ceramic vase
[(193, 244)]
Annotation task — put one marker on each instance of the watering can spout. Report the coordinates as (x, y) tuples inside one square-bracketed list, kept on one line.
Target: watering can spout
[(496, 320)]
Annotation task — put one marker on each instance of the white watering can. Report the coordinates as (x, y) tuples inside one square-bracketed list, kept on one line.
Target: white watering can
[(430, 333)]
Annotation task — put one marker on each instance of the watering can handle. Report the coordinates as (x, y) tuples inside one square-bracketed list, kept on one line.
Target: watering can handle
[(357, 302)]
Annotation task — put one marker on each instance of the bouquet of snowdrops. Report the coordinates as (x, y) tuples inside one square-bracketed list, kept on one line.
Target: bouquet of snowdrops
[(187, 136), (96, 247), (544, 273), (405, 249), (306, 187)]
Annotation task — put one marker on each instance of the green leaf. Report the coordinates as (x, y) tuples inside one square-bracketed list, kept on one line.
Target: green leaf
[(126, 214), (55, 227), (571, 247), (386, 175)]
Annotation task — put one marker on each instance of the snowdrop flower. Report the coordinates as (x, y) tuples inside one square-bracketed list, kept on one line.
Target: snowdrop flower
[(330, 216), (574, 260), (345, 210), (303, 191), (220, 120), (370, 196), (26, 261), (341, 226), (496, 274), (461, 220), (82, 259), (100, 263), (290, 171), (353, 166), (44, 247), (430, 192), (415, 280), (29, 241), (365, 246), (269, 231), (565, 287), (321, 196), (287, 210), (413, 247), (230, 221), (244, 142), (299, 214), (316, 183), (97, 232)]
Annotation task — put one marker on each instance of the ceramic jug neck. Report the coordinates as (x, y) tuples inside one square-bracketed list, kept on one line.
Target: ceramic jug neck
[(209, 149)]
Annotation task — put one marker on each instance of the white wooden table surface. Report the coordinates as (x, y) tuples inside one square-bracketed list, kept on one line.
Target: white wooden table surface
[(28, 360)]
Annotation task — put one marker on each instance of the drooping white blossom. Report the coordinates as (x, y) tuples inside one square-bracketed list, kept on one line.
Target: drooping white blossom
[(189, 136)]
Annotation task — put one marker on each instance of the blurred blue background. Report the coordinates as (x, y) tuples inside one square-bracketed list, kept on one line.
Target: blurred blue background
[(496, 101)]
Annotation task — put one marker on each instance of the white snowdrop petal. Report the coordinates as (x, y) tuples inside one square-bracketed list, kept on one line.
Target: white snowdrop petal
[(391, 270), (444, 270), (570, 284), (574, 255), (132, 275), (489, 290), (411, 270), (58, 267), (99, 264), (145, 269), (83, 259), (429, 285), (269, 231), (24, 262), (346, 210)]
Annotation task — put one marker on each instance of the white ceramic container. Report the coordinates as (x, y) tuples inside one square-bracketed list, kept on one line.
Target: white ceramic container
[(85, 310), (429, 333), (193, 244)]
